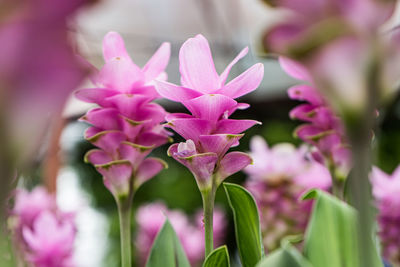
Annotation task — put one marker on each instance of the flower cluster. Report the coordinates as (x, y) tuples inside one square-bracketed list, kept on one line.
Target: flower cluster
[(386, 190), (277, 179), (126, 125), (208, 130), (323, 128), (151, 217), (44, 234)]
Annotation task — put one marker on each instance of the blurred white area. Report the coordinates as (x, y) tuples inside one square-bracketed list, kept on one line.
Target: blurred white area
[(92, 226), (229, 25)]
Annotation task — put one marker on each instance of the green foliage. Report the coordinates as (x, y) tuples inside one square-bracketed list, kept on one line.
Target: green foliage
[(167, 250), (331, 239), (218, 258), (247, 224)]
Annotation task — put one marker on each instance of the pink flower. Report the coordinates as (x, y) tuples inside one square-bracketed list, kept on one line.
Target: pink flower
[(386, 191), (277, 179), (323, 128), (208, 130), (126, 125), (151, 217), (50, 242)]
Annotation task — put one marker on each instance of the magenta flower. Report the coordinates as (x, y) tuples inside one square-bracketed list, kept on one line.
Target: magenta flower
[(151, 217), (126, 125), (323, 128), (277, 179), (386, 191), (208, 130), (43, 233)]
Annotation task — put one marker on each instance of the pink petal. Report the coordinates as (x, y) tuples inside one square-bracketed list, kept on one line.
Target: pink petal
[(224, 75), (294, 69), (152, 139), (151, 111), (210, 107), (117, 176), (149, 168), (97, 156), (108, 140), (128, 104), (131, 128), (134, 153), (173, 116), (95, 95), (201, 165), (218, 143), (245, 83), (232, 163), (306, 93), (114, 46), (196, 65), (228, 126), (157, 63), (103, 118), (147, 90), (175, 93), (281, 36), (91, 131), (120, 74), (302, 112), (190, 128)]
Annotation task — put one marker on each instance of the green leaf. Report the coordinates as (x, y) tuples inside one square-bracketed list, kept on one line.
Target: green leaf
[(331, 238), (167, 251), (218, 258), (286, 256), (247, 224)]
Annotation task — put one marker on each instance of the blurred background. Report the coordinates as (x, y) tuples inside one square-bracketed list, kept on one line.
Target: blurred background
[(229, 25)]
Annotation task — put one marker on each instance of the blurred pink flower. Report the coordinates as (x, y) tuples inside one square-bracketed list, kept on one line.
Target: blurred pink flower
[(151, 217), (386, 191), (126, 125), (277, 179), (323, 128), (43, 233), (208, 131)]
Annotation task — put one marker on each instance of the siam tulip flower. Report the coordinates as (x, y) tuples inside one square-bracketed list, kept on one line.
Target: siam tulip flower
[(50, 243), (151, 217), (43, 233), (208, 131), (386, 191), (125, 125), (278, 178), (323, 128)]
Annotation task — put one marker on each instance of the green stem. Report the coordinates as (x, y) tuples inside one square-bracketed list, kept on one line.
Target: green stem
[(124, 212), (208, 208), (337, 183)]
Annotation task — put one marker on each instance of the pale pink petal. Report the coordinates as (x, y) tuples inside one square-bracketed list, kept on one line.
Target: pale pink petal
[(97, 156), (108, 140), (294, 69), (174, 92), (114, 46), (197, 65), (232, 163), (245, 83), (224, 75), (157, 63), (95, 95), (103, 118), (128, 104), (190, 128), (149, 168), (210, 107), (117, 176), (306, 93), (228, 126), (134, 153), (218, 143)]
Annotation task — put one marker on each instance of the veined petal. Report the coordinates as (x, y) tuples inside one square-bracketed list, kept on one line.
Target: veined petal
[(114, 46), (218, 143), (245, 83), (174, 92), (157, 63), (210, 107), (201, 165), (97, 156), (196, 65), (149, 168), (232, 163), (103, 118), (228, 126), (174, 116), (116, 175), (190, 128), (120, 74), (108, 141), (95, 95), (224, 75)]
